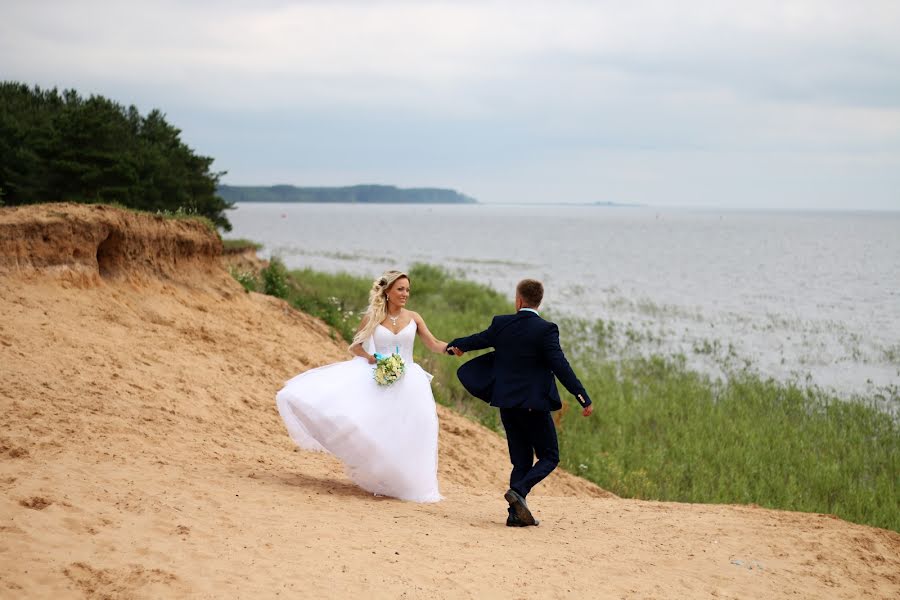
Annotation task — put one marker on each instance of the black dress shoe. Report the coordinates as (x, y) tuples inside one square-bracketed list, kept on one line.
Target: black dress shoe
[(513, 521), (517, 503)]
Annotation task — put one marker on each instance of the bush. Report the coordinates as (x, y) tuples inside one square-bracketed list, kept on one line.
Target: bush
[(275, 279)]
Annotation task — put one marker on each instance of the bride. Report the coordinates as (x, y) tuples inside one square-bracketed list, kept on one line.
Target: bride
[(385, 435)]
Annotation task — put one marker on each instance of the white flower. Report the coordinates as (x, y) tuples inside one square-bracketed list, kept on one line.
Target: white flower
[(388, 369)]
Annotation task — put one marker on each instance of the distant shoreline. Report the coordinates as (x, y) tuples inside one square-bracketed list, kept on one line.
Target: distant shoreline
[(356, 194)]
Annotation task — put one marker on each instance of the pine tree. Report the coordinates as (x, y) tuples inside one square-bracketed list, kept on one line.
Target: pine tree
[(61, 147)]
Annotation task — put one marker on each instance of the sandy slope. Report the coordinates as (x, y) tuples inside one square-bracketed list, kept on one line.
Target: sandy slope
[(141, 456)]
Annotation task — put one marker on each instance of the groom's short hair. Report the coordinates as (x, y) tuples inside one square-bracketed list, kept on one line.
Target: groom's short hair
[(531, 291)]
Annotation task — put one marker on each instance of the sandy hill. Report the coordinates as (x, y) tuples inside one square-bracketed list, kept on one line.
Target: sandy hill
[(141, 456)]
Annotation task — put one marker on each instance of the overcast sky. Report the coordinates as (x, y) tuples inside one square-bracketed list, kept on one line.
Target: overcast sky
[(753, 104)]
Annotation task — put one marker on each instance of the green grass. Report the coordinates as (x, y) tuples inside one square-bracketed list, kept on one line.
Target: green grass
[(660, 430), (664, 432), (180, 214), (339, 300), (239, 245)]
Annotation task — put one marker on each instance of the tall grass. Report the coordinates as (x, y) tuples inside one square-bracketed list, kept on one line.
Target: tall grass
[(660, 430), (339, 300), (664, 432)]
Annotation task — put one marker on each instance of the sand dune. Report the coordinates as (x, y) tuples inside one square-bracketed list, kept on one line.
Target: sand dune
[(141, 456)]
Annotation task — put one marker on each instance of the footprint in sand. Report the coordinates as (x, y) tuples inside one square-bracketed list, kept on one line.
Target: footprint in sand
[(36, 502), (123, 582)]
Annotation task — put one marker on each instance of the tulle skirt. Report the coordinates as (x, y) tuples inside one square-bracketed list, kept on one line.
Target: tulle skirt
[(385, 435)]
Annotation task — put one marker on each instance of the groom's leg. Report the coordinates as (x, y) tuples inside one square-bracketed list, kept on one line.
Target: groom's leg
[(542, 438), (521, 453)]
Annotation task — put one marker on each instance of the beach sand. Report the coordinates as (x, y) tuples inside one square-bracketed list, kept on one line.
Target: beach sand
[(141, 456)]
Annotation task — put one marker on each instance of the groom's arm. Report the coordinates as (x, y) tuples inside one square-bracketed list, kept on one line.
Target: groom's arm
[(476, 341), (562, 369)]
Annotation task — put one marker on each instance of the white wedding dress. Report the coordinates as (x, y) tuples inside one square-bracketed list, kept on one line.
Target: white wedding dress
[(385, 435)]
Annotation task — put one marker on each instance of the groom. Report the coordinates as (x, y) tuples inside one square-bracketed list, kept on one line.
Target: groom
[(518, 378)]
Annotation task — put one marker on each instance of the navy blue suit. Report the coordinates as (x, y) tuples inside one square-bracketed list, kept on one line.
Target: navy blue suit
[(519, 377)]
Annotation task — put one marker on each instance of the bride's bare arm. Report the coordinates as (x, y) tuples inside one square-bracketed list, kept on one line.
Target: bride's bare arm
[(357, 348), (431, 342)]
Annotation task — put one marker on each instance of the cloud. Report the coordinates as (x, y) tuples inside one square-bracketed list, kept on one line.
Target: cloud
[(458, 84), (397, 51)]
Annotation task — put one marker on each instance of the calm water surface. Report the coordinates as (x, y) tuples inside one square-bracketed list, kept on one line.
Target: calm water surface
[(806, 296)]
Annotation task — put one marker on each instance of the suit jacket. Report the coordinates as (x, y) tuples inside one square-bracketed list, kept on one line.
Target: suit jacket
[(520, 372)]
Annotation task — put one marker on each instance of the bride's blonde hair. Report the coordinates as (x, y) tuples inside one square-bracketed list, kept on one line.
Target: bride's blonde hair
[(377, 309)]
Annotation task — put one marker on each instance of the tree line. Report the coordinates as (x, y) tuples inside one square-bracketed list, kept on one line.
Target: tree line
[(59, 146), (362, 194)]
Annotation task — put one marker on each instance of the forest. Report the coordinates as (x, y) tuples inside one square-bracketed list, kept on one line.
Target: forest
[(58, 146)]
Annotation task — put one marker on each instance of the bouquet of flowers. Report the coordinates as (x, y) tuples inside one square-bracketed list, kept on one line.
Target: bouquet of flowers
[(388, 368)]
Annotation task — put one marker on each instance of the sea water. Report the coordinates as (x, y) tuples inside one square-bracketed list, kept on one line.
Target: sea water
[(806, 296)]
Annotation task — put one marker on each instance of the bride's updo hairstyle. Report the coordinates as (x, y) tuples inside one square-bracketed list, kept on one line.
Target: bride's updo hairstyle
[(377, 310)]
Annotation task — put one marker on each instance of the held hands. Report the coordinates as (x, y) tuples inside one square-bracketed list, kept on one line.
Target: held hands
[(454, 350)]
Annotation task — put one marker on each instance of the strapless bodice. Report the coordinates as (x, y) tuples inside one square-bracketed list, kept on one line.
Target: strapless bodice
[(385, 341)]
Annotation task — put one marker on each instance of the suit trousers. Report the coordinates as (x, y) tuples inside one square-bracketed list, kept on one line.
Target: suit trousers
[(529, 433)]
